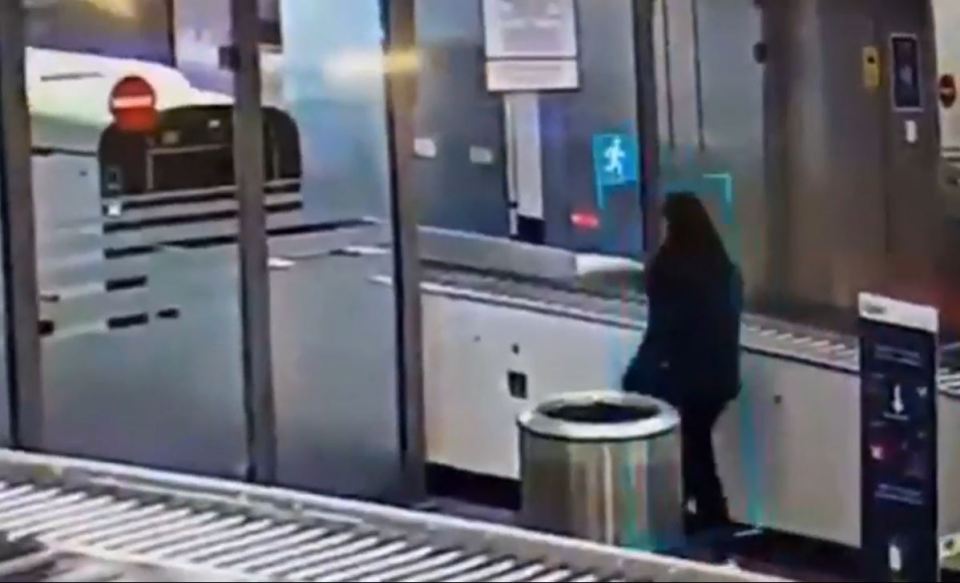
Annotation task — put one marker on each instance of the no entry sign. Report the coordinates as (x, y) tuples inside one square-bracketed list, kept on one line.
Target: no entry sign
[(948, 91)]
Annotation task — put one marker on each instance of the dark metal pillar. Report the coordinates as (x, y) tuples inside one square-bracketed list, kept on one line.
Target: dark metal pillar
[(776, 19), (646, 73), (19, 241), (400, 24), (259, 404)]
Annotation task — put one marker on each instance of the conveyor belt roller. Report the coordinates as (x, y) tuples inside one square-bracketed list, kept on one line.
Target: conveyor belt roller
[(29, 561), (117, 517)]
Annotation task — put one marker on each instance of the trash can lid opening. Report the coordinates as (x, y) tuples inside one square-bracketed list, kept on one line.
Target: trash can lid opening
[(601, 412), (600, 416)]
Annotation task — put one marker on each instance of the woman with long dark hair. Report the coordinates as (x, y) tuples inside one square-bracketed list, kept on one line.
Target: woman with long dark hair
[(690, 354)]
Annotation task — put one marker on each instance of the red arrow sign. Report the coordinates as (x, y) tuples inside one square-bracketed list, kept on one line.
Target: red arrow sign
[(948, 90)]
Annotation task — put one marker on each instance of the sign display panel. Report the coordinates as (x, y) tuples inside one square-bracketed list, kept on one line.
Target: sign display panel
[(899, 490)]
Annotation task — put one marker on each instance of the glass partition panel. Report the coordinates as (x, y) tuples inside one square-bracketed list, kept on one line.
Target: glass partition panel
[(136, 232), (5, 400), (333, 306)]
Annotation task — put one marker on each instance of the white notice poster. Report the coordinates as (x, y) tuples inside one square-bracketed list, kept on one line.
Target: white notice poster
[(530, 29)]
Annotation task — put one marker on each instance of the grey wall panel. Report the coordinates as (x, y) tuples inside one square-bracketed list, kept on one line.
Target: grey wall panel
[(915, 209), (679, 24), (733, 131), (457, 113), (605, 103), (810, 150), (813, 198), (336, 377), (712, 131), (858, 202), (834, 148)]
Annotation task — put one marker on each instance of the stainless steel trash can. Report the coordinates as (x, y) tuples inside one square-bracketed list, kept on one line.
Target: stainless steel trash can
[(604, 466)]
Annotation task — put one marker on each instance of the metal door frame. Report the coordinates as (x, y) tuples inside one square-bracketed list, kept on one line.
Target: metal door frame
[(399, 24), (647, 122), (258, 391), (19, 238)]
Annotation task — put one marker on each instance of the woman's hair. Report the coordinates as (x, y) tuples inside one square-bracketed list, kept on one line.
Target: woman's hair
[(692, 240)]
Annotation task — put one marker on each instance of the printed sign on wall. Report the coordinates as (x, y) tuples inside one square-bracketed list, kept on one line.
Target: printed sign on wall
[(531, 45)]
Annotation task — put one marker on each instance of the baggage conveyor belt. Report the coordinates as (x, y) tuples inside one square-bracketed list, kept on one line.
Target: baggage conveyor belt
[(760, 334), (70, 520)]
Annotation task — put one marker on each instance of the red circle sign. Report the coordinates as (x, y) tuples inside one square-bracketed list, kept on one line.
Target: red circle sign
[(948, 91), (133, 104)]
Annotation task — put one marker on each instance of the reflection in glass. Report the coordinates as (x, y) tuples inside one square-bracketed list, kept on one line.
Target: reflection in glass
[(333, 313), (136, 225), (137, 234)]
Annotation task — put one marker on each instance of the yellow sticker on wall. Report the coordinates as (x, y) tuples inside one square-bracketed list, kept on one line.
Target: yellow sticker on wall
[(871, 68)]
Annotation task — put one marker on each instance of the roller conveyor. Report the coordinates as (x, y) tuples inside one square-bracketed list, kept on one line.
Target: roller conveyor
[(67, 520), (30, 561)]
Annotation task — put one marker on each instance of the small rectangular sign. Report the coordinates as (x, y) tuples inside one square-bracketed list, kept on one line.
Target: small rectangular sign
[(503, 76), (425, 148), (482, 156), (871, 68)]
